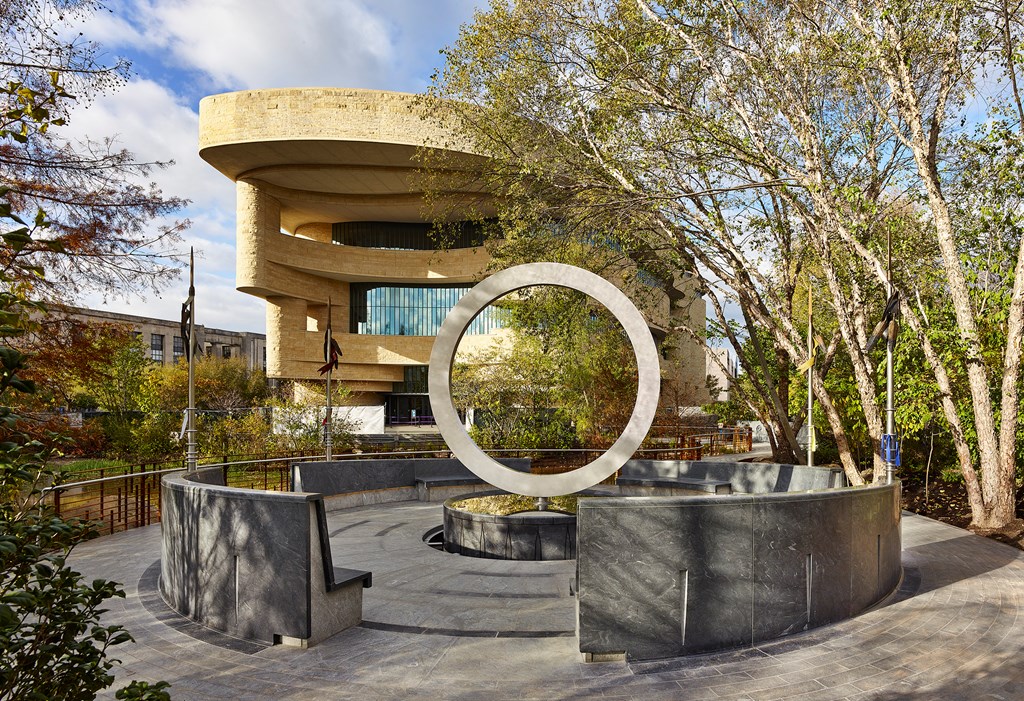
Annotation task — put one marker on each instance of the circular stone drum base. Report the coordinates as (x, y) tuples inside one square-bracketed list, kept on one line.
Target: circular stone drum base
[(527, 535)]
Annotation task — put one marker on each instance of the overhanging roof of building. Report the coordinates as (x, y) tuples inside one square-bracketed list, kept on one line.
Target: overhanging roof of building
[(327, 154)]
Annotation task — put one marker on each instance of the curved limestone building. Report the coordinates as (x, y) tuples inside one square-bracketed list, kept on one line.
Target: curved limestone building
[(328, 206)]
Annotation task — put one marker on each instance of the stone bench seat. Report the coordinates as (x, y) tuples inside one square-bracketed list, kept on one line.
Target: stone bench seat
[(435, 488), (703, 485), (442, 480), (343, 576)]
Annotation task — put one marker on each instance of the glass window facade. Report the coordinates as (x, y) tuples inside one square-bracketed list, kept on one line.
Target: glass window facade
[(415, 381), (179, 348), (402, 236), (408, 409), (156, 347), (409, 310)]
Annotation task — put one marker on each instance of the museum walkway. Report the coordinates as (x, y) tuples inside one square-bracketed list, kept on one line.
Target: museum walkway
[(440, 626)]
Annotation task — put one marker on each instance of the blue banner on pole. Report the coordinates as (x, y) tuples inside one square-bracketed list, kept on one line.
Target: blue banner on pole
[(891, 449)]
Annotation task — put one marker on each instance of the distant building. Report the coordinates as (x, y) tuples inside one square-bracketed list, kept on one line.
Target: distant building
[(329, 207), (166, 345), (722, 368)]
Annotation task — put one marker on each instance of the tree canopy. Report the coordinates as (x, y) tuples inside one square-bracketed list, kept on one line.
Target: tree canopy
[(109, 228), (770, 147)]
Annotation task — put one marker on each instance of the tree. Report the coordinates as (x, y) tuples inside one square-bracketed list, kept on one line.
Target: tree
[(119, 387), (742, 144), (71, 358), (221, 384), (99, 208), (52, 642), (564, 374)]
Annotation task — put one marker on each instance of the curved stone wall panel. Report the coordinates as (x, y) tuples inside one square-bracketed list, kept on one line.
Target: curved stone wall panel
[(249, 563), (667, 576), (529, 535)]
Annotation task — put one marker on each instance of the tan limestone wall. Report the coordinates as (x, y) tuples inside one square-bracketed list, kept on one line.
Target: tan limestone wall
[(317, 113), (317, 231)]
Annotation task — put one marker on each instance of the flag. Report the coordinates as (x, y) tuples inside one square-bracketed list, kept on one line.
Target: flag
[(332, 351), (892, 308), (187, 307)]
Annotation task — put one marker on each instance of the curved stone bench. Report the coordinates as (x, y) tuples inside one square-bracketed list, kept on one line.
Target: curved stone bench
[(668, 576), (348, 483), (742, 477), (658, 576), (253, 564)]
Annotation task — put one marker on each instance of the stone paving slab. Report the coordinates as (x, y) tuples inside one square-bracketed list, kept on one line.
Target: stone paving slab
[(953, 631)]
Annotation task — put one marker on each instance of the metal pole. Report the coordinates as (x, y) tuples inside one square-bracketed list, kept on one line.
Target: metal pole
[(890, 343), (810, 380), (328, 438), (327, 420), (190, 431), (890, 410)]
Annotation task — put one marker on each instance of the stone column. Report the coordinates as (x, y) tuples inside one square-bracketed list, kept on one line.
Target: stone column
[(258, 217), (286, 332)]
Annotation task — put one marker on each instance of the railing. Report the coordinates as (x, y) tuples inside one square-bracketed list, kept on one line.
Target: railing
[(131, 498), (729, 439), (724, 440)]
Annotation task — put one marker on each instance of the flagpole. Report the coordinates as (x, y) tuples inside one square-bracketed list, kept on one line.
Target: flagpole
[(810, 379), (190, 452), (890, 345), (327, 420)]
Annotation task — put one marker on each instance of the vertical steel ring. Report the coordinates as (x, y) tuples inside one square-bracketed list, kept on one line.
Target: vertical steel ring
[(454, 327)]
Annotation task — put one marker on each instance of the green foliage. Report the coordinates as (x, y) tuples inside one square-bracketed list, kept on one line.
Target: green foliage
[(53, 644), (564, 376), (144, 691), (220, 384), (120, 383)]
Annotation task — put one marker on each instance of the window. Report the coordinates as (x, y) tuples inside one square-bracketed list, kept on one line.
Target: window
[(415, 381), (401, 236), (226, 351), (156, 347), (409, 310), (179, 348)]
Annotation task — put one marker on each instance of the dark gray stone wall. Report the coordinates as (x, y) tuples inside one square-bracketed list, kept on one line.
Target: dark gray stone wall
[(240, 560), (667, 576), (344, 476), (745, 477), (531, 535)]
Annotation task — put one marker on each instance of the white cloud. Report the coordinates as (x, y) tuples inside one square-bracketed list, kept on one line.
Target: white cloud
[(203, 46), (152, 123), (264, 43)]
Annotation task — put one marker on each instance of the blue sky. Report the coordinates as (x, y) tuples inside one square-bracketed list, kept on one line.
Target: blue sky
[(183, 50)]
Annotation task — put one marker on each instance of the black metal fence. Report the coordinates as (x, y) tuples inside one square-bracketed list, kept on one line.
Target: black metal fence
[(119, 498)]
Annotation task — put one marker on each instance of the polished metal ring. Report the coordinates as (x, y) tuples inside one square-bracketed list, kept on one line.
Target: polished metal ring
[(454, 327)]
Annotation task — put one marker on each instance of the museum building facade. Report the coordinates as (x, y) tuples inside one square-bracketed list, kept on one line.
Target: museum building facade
[(329, 208)]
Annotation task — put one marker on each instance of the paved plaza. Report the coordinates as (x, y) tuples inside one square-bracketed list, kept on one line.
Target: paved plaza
[(441, 626)]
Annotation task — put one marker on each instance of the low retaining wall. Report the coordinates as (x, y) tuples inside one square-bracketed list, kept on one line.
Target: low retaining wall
[(668, 576), (745, 477), (347, 483), (251, 563), (529, 535)]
